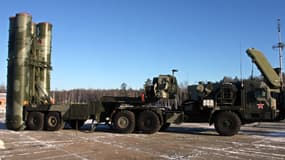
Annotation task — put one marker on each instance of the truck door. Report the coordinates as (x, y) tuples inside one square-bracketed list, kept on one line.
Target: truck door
[(258, 106)]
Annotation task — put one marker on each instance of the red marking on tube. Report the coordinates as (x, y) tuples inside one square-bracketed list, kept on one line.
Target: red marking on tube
[(142, 97)]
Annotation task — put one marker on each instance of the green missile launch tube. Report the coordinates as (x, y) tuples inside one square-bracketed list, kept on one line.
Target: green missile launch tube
[(44, 30), (33, 64), (18, 70)]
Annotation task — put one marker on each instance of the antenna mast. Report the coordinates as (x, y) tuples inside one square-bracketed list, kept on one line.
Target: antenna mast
[(280, 47)]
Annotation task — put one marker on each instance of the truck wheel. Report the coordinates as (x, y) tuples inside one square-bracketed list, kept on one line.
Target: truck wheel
[(164, 126), (35, 121), (124, 122), (53, 121), (227, 123), (76, 124), (148, 122)]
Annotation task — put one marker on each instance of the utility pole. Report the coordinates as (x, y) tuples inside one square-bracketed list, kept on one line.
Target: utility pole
[(280, 45)]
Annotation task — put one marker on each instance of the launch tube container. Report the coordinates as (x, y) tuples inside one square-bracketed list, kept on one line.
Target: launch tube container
[(44, 30), (18, 70), (33, 64), (10, 69)]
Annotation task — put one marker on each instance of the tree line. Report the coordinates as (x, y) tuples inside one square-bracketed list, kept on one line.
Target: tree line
[(89, 95)]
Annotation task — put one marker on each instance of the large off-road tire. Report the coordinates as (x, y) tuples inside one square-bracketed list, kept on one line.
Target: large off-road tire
[(227, 123), (53, 121), (76, 124), (164, 126), (148, 122), (124, 122), (35, 121)]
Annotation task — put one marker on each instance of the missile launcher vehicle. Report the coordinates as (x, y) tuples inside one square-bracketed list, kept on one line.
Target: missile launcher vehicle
[(30, 105), (227, 104)]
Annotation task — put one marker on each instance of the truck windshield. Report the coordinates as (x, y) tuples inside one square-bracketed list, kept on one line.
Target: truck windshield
[(260, 93)]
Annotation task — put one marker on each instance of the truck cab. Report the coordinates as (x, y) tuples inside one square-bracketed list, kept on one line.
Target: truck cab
[(230, 103)]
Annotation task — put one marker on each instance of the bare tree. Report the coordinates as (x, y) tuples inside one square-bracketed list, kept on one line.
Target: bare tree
[(183, 91), (124, 89), (90, 95), (2, 88), (148, 82)]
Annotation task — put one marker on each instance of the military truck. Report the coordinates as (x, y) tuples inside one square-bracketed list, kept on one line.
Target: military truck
[(230, 104), (155, 109)]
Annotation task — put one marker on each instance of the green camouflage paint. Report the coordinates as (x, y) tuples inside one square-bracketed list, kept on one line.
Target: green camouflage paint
[(18, 72), (44, 32)]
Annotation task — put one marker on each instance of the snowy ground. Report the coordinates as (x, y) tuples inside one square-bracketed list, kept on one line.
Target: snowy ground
[(184, 142)]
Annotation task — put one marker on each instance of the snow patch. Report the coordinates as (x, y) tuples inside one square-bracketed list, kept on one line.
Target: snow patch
[(174, 157), (2, 144), (272, 139)]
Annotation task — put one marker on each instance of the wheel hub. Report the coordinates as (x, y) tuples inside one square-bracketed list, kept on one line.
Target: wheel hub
[(35, 121), (227, 124), (123, 122), (52, 121), (148, 123)]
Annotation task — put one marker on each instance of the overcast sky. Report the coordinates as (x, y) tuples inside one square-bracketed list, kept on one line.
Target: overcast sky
[(103, 43)]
